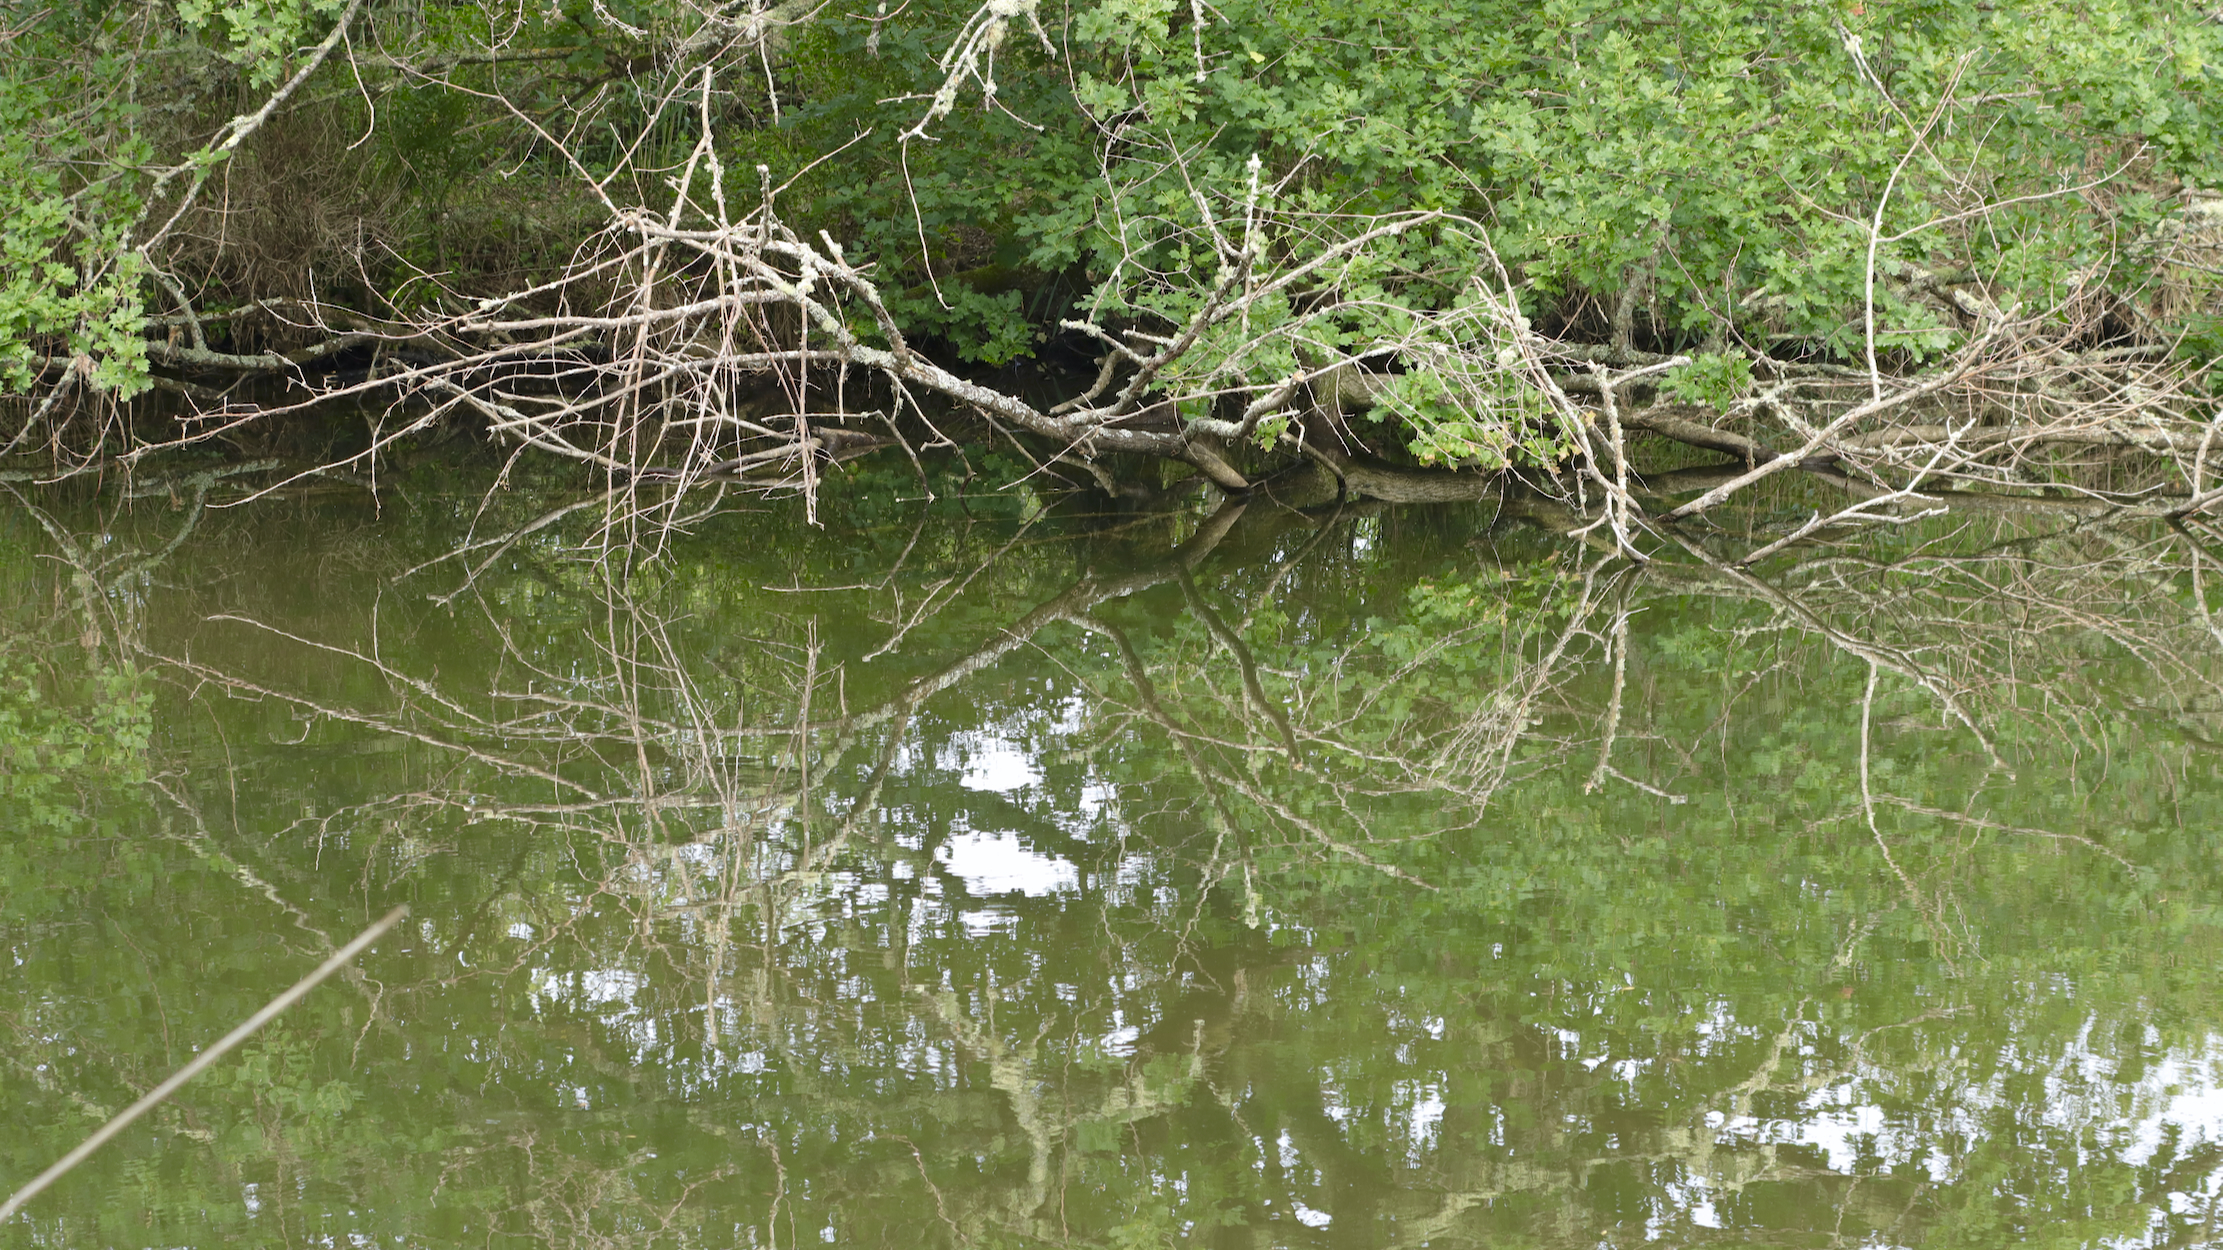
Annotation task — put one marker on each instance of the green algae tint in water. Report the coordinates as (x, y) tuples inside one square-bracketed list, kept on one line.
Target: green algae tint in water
[(1226, 878)]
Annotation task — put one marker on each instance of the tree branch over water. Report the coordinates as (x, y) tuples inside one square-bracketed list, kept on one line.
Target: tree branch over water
[(1218, 253)]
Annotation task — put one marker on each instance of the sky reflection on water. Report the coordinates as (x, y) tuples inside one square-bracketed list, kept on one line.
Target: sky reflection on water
[(1210, 879)]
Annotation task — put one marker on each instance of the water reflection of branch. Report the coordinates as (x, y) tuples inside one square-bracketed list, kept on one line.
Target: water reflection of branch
[(1618, 645), (501, 543), (1070, 606), (100, 579), (1218, 782), (1480, 752), (207, 675), (756, 893), (1979, 822), (1876, 654), (1244, 665), (904, 622)]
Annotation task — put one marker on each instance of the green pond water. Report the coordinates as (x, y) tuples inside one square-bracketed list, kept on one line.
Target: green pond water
[(972, 873)]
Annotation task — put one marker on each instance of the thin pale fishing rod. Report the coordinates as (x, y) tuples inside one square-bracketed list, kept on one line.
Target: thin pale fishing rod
[(340, 959)]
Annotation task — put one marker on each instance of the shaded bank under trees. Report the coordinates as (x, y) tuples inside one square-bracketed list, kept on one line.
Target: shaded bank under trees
[(1923, 244)]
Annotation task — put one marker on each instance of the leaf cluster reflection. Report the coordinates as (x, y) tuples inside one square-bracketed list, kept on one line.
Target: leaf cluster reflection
[(1228, 877)]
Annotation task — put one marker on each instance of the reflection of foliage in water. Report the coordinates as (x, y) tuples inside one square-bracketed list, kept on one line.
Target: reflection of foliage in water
[(55, 729), (1376, 913), (75, 724)]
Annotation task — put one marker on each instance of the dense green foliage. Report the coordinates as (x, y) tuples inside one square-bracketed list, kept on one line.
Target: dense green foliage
[(1704, 176), (1726, 157)]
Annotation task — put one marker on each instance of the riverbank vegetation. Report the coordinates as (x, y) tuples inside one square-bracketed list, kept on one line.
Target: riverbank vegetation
[(1409, 245)]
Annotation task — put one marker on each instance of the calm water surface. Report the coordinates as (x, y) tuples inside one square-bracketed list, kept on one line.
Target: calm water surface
[(960, 875)]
